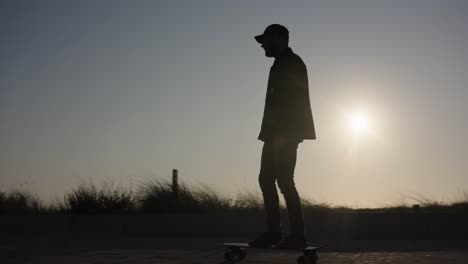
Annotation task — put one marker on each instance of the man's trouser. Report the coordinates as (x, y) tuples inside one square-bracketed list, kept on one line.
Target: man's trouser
[(277, 165)]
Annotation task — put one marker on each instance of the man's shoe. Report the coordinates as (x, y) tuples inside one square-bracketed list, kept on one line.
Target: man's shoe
[(292, 242), (266, 239)]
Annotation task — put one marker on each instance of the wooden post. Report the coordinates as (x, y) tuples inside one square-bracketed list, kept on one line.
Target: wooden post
[(416, 208), (175, 184)]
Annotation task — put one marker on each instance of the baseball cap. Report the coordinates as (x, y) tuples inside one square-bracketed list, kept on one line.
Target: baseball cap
[(273, 29)]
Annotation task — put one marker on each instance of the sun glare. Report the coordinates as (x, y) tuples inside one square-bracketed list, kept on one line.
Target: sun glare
[(359, 123)]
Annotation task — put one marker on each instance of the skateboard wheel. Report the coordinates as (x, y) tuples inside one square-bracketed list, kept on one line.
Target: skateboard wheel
[(235, 255), (307, 259), (300, 260), (229, 256), (242, 254)]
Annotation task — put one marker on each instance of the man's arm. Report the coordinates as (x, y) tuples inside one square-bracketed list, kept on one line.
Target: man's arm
[(292, 87)]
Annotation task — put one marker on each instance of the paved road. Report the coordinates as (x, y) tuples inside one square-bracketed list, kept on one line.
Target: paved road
[(71, 250)]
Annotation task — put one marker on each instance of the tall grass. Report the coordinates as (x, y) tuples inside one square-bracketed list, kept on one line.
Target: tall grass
[(248, 200), (156, 196), (86, 198), (17, 201)]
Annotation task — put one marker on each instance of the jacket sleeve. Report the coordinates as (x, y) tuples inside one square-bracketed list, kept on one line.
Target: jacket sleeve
[(291, 107)]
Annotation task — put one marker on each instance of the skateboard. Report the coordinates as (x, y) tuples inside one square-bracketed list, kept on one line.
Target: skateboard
[(236, 252)]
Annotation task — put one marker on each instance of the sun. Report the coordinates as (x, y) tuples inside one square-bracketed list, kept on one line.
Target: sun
[(359, 123)]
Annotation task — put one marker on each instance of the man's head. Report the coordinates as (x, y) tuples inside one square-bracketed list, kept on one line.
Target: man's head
[(274, 39)]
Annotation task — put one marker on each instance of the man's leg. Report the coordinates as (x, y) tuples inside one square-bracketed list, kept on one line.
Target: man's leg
[(267, 182), (286, 164)]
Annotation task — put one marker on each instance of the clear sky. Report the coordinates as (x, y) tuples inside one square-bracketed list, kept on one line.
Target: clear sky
[(128, 90)]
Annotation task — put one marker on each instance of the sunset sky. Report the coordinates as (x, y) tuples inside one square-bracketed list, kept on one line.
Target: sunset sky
[(129, 90)]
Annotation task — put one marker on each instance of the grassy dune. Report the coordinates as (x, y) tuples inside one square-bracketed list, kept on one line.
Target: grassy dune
[(156, 196)]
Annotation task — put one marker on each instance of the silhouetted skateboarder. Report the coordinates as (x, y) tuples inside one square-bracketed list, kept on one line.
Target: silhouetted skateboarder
[(287, 121)]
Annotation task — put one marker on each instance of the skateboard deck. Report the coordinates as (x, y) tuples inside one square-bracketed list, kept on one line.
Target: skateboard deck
[(237, 251)]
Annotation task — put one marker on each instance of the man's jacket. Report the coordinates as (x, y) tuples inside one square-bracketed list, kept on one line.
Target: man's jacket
[(287, 105)]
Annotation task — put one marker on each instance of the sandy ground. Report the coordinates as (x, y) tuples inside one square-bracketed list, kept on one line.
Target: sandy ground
[(121, 249)]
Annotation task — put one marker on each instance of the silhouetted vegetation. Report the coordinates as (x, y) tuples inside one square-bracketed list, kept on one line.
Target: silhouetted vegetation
[(157, 196), (245, 200), (86, 198), (19, 202)]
